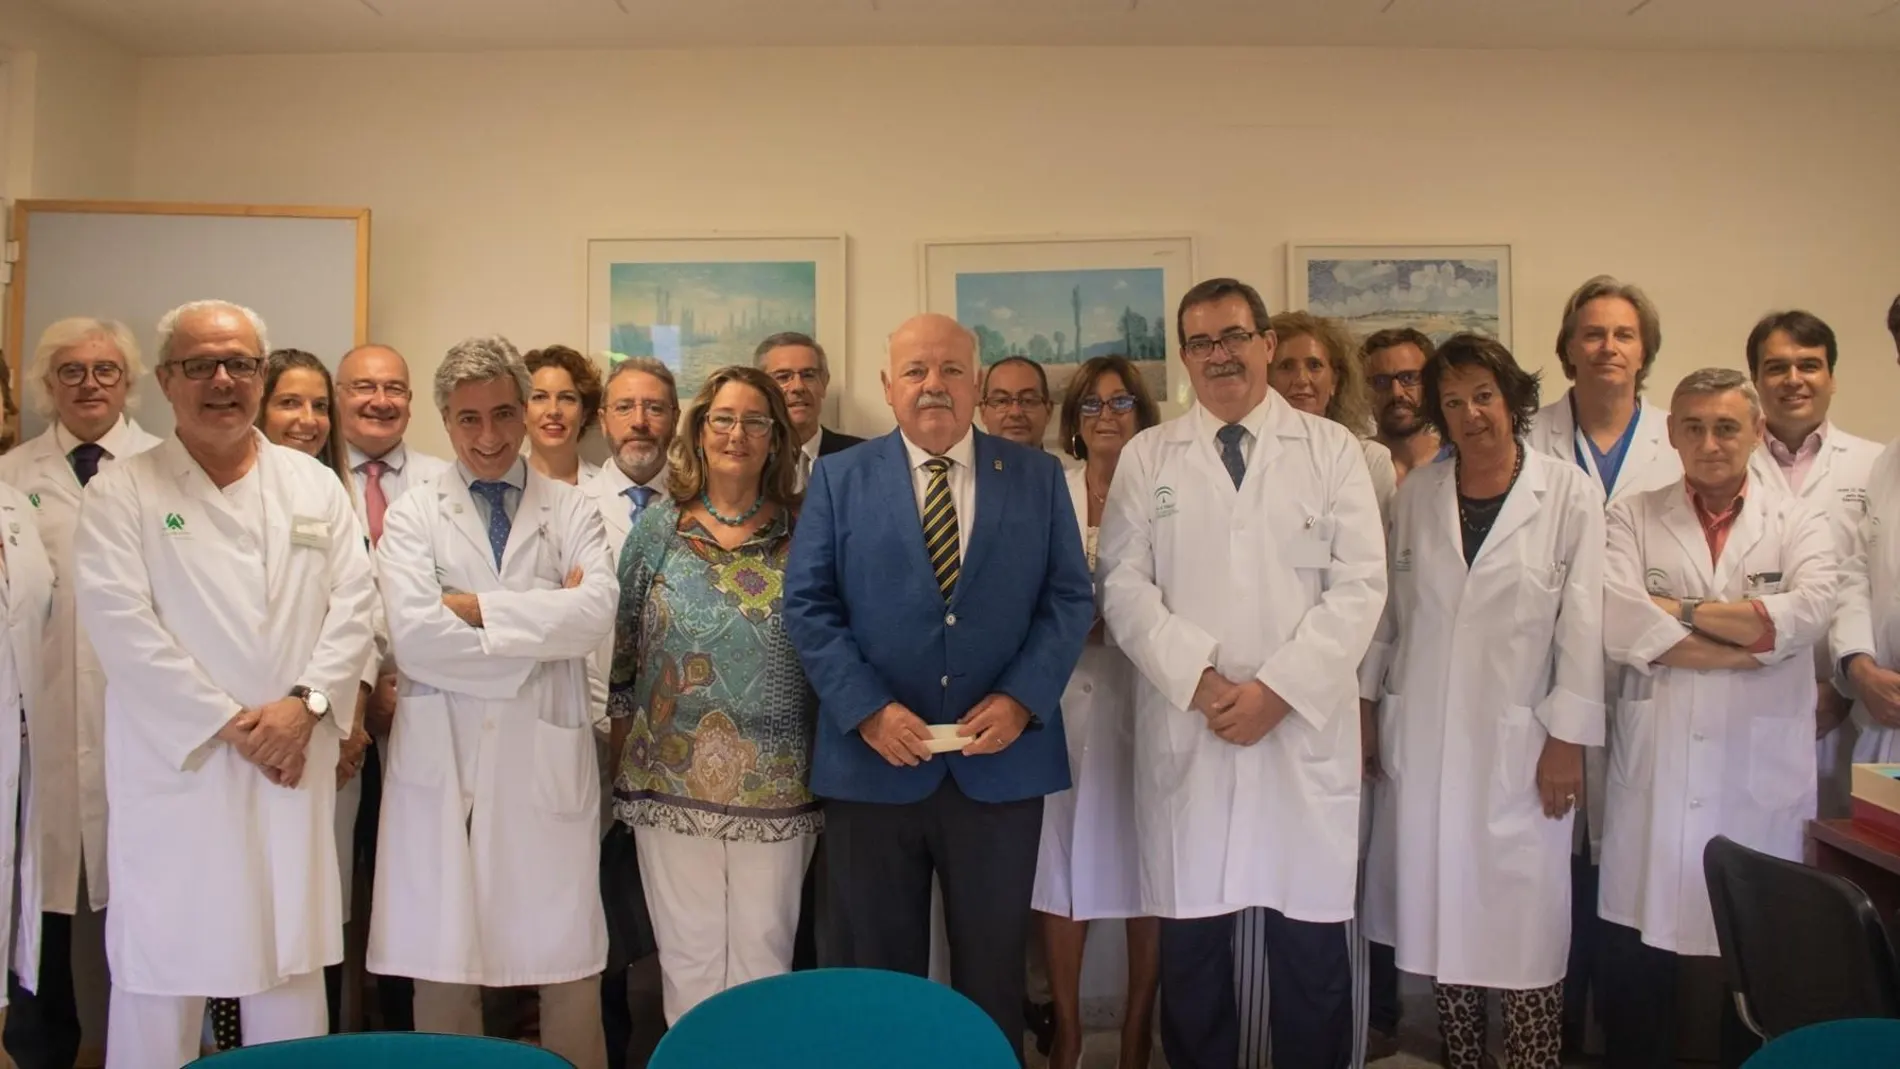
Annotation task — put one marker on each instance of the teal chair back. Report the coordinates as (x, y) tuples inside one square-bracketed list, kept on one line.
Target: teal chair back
[(835, 1019), (388, 1050), (1854, 1044)]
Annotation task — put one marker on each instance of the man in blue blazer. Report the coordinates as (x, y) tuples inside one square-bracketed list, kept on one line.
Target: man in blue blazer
[(937, 578)]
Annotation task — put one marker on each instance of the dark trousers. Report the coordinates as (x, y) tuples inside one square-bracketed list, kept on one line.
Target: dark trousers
[(42, 1030), (1581, 969), (1382, 989), (616, 1017), (395, 995), (880, 860), (1309, 1005), (1637, 1004)]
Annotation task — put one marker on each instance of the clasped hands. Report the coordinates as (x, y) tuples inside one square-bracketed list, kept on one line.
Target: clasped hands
[(273, 737), (468, 607), (901, 737), (1240, 713)]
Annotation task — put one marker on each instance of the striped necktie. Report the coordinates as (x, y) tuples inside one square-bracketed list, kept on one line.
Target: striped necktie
[(940, 526)]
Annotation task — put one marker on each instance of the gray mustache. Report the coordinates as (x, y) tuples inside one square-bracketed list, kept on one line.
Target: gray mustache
[(932, 399), (1226, 370)]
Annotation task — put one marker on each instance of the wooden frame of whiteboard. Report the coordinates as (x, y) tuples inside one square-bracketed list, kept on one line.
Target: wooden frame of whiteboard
[(23, 210)]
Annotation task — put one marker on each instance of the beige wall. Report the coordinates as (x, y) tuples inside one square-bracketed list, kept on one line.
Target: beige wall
[(74, 129), (1725, 184)]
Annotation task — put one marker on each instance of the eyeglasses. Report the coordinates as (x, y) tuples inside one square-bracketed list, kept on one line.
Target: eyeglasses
[(725, 422), (205, 367), (808, 375), (1093, 406), (653, 409), (395, 391), (998, 402), (104, 373), (1407, 379), (1234, 343)]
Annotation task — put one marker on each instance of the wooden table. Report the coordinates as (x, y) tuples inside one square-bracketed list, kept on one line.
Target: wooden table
[(1857, 853)]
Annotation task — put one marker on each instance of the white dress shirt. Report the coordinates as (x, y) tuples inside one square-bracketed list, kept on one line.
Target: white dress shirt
[(962, 483), (398, 473), (809, 458), (112, 441)]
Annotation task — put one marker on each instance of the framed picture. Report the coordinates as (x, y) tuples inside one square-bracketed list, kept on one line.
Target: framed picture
[(1061, 300), (1439, 289), (697, 304)]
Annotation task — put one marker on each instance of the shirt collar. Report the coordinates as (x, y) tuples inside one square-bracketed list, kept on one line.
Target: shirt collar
[(393, 460), (517, 476), (112, 441), (1715, 519), (617, 481), (1810, 447), (962, 454), (1254, 422), (810, 447)]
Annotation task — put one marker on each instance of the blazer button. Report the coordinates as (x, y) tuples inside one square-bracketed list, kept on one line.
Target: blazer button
[(950, 620), (945, 681)]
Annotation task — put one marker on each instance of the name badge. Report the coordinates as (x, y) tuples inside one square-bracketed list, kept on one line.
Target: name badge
[(308, 531), (1762, 584)]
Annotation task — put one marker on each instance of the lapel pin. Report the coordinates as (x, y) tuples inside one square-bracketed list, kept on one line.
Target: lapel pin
[(997, 464)]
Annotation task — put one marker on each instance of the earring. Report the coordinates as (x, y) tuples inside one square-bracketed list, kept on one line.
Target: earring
[(1075, 445)]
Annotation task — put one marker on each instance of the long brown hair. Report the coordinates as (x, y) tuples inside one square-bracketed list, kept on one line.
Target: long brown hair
[(779, 480), (335, 453)]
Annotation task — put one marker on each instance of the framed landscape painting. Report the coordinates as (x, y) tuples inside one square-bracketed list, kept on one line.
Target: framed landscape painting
[(697, 304), (1439, 289), (1061, 300)]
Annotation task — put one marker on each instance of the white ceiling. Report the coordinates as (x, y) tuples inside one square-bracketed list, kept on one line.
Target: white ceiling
[(216, 27)]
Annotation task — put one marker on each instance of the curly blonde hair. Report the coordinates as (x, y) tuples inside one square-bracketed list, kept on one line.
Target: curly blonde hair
[(1351, 404)]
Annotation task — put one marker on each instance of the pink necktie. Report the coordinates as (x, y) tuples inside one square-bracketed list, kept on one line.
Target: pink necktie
[(374, 503)]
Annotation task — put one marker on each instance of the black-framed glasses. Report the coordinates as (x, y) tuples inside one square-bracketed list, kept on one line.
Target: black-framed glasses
[(726, 422), (999, 402), (205, 367), (1120, 403), (105, 373), (1234, 343), (1407, 379)]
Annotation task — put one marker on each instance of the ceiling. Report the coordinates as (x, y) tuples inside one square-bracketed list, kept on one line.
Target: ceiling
[(220, 27)]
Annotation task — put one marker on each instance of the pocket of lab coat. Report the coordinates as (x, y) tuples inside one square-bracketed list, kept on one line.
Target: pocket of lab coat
[(1520, 744), (1632, 743), (566, 769), (1311, 546), (420, 746), (1780, 761)]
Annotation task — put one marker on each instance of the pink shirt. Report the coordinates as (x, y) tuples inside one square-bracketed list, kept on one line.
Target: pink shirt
[(1796, 465)]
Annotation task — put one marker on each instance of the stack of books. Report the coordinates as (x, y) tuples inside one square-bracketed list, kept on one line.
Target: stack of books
[(1877, 799)]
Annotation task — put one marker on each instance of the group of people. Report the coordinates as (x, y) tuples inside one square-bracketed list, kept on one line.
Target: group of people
[(1420, 674)]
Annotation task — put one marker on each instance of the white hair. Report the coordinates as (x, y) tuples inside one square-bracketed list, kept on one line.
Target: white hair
[(1714, 380), (481, 360), (168, 324), (62, 336)]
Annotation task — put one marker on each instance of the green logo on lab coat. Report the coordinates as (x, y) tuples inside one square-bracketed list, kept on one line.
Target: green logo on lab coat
[(174, 522), (35, 498)]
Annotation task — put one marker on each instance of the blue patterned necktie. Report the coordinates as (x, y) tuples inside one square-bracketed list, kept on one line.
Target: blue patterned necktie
[(641, 496), (86, 457), (1230, 454), (498, 522)]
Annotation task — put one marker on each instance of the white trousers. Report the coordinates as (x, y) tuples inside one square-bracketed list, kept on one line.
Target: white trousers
[(723, 913), (162, 1031)]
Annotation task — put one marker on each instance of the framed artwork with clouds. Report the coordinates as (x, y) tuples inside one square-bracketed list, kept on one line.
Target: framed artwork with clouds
[(1439, 289)]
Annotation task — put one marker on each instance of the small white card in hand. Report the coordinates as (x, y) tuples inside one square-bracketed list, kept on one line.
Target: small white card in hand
[(944, 739)]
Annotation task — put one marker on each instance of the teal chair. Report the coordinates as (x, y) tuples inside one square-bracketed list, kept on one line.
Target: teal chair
[(1855, 1044), (388, 1050), (835, 1019)]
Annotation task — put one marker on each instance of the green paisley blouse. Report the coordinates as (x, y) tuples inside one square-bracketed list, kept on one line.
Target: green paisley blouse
[(722, 716)]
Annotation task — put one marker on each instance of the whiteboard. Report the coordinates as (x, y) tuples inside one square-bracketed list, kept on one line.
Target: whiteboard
[(305, 270)]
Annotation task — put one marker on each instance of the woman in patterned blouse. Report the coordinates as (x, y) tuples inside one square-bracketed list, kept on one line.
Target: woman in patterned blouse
[(712, 713)]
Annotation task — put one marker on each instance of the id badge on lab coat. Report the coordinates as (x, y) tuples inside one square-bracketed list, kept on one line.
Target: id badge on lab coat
[(1312, 545), (1762, 584)]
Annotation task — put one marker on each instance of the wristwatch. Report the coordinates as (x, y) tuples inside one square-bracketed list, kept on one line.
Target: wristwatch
[(1687, 612), (314, 700)]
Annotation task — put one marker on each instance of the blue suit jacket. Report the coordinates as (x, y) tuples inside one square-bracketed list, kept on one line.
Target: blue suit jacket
[(863, 609)]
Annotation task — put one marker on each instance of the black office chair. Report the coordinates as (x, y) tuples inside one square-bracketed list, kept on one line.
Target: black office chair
[(1800, 946)]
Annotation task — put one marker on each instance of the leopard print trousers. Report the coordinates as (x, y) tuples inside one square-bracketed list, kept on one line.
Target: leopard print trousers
[(1533, 1026)]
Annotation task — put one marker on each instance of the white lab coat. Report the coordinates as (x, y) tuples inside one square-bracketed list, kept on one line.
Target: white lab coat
[(26, 597), (1868, 617), (67, 717), (488, 860), (1694, 754), (1384, 473), (1650, 462), (1836, 484), (1281, 580), (1468, 879), (1086, 868), (227, 884)]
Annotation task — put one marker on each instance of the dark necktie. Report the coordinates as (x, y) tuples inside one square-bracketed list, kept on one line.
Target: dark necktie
[(85, 457), (498, 522), (940, 526), (1230, 454)]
